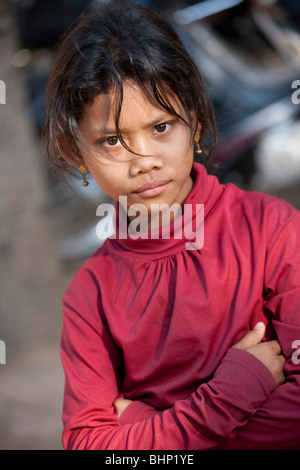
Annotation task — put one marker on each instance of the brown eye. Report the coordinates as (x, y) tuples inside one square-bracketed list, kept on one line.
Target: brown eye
[(112, 140), (160, 128)]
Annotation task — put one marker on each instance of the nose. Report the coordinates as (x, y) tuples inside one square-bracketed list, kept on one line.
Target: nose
[(146, 160), (144, 164)]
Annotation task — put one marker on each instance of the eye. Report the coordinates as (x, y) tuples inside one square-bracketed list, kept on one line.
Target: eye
[(161, 128), (111, 141)]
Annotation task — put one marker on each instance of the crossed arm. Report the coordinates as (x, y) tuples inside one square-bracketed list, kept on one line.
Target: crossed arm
[(269, 353), (276, 422), (245, 378)]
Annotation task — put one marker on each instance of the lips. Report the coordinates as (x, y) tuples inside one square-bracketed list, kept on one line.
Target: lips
[(152, 188)]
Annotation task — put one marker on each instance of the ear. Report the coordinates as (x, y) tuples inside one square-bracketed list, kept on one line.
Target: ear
[(197, 127), (71, 154)]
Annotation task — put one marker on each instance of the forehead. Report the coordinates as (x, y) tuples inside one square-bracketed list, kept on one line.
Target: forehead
[(139, 107)]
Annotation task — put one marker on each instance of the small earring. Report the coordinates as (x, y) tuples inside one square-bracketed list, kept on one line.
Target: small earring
[(83, 171), (198, 148)]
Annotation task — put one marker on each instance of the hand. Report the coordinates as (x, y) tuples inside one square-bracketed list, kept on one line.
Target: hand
[(121, 404), (269, 353)]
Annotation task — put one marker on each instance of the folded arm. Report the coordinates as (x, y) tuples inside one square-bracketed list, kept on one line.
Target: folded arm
[(91, 361)]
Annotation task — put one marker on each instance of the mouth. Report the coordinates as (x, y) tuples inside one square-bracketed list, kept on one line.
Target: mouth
[(152, 189)]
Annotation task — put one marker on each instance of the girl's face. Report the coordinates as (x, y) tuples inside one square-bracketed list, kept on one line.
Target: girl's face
[(160, 174)]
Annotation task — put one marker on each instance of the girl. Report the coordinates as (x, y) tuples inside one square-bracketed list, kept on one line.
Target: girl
[(162, 337)]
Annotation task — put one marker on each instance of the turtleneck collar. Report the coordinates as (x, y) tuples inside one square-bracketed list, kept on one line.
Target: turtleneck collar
[(185, 232)]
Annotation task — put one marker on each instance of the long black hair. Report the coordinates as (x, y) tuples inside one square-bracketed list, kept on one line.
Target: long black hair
[(119, 41)]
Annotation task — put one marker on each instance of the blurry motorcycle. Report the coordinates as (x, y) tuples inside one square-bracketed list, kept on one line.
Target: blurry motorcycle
[(249, 53)]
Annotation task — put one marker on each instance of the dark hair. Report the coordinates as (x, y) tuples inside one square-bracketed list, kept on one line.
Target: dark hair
[(115, 42)]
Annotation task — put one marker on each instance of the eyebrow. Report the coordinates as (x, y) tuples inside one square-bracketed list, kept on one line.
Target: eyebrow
[(160, 118)]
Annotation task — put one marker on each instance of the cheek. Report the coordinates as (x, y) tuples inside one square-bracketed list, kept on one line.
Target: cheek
[(109, 180), (181, 154), (102, 178), (182, 147)]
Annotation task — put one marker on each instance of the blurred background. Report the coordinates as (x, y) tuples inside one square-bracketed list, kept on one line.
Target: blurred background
[(249, 54)]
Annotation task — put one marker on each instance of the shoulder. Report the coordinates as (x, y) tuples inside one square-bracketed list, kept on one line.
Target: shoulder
[(258, 215), (261, 206)]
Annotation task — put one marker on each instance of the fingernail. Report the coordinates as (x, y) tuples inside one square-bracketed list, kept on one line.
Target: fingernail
[(259, 325)]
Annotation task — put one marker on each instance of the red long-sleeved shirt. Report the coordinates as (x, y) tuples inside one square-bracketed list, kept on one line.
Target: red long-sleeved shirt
[(155, 322)]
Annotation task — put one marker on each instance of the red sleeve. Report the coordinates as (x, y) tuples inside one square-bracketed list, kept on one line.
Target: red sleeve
[(137, 411), (91, 362), (276, 425)]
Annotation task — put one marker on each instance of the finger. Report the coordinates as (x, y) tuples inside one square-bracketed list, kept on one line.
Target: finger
[(275, 346), (253, 337)]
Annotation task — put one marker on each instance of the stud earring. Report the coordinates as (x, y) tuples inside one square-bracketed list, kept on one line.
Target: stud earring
[(83, 171), (198, 149)]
